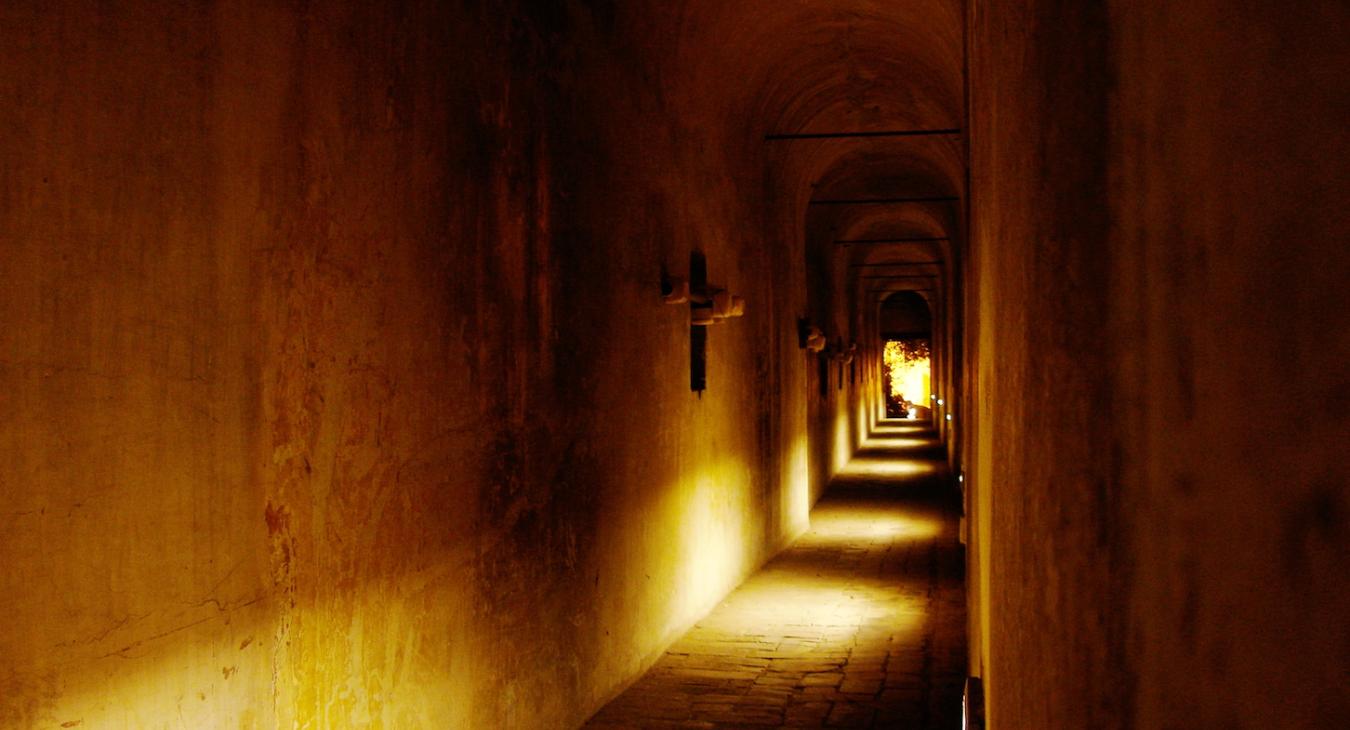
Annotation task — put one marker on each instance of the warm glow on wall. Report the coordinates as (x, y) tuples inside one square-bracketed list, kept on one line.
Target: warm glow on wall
[(197, 677), (711, 553), (843, 443), (862, 426), (797, 493)]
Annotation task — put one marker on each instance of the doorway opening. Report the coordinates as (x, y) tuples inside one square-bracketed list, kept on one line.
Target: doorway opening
[(907, 378)]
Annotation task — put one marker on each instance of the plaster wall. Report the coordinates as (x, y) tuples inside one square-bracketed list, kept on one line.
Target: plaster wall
[(1230, 219), (1160, 534), (338, 387)]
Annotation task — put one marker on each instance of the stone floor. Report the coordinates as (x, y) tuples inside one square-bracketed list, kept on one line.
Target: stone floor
[(859, 624)]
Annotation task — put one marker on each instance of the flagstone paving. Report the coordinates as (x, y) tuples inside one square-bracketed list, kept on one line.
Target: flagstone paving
[(860, 623)]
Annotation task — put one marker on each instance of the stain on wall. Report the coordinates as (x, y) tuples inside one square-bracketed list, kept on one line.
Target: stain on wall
[(338, 388), (340, 391), (1156, 537)]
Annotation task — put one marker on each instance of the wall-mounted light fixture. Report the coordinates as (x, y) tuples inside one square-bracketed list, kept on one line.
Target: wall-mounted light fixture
[(843, 354), (709, 304), (674, 290), (715, 305), (809, 336)]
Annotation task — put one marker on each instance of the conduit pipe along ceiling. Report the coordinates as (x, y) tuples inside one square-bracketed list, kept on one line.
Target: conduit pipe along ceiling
[(858, 110), (859, 107)]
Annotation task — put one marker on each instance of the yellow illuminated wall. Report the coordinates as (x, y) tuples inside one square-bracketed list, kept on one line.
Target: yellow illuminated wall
[(314, 414)]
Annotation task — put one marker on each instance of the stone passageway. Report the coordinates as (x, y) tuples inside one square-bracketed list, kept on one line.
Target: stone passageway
[(860, 623), (439, 365)]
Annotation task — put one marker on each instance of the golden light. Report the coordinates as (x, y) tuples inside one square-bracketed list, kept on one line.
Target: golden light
[(893, 426), (861, 421), (843, 443), (892, 443), (864, 466), (797, 495), (799, 591), (711, 553), (788, 597), (861, 524), (909, 372)]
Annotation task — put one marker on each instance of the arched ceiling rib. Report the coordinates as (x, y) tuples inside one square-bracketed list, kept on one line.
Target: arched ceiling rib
[(888, 168), (806, 65), (760, 67)]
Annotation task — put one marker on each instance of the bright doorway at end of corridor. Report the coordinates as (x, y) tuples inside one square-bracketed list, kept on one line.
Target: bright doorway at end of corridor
[(908, 374)]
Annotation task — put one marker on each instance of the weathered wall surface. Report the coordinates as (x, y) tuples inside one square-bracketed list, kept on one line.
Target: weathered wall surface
[(134, 546), (1160, 513), (1231, 218), (338, 389), (1049, 533)]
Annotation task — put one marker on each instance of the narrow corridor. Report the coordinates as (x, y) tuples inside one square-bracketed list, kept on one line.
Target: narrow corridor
[(516, 365), (860, 623)]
